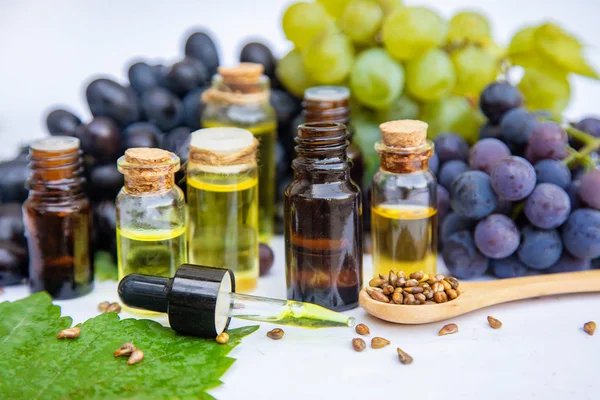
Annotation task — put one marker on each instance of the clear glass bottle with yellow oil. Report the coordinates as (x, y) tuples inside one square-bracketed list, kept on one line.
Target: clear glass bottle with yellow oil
[(151, 214), (404, 205), (223, 202), (239, 97)]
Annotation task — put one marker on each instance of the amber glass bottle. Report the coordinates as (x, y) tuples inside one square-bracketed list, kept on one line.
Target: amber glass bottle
[(332, 104), (404, 205), (58, 220), (239, 97), (323, 224)]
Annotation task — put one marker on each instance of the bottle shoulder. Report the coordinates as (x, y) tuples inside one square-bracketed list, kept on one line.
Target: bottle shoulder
[(334, 190)]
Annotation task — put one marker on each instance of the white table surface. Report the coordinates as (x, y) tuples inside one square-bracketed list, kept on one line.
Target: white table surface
[(541, 352)]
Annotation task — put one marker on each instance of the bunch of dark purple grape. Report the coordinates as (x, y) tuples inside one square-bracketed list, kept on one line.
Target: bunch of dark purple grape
[(525, 198), (159, 107)]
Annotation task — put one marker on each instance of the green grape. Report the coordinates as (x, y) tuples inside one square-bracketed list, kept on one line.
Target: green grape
[(566, 51), (290, 72), (376, 79), (469, 26), (545, 89), (453, 114), (366, 133), (335, 8), (408, 32), (402, 108), (303, 21), (329, 58), (475, 68), (431, 76), (522, 41), (361, 20), (389, 5), (497, 51)]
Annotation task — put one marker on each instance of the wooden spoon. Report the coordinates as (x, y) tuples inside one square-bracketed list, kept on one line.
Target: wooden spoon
[(476, 295)]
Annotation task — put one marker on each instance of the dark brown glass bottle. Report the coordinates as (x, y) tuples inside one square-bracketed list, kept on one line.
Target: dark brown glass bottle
[(58, 220), (323, 224)]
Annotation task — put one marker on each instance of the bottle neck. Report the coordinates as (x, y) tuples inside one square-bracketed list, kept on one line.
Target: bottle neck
[(321, 151), (55, 174), (404, 160), (337, 111)]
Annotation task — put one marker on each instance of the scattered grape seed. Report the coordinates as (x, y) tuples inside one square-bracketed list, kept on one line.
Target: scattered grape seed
[(222, 338), (589, 328), (275, 334), (404, 357), (362, 329), (358, 345), (70, 333), (494, 323), (379, 342), (125, 350), (448, 329), (103, 306), (136, 356)]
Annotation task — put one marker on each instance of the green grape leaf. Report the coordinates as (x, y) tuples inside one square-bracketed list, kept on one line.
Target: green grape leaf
[(34, 364), (104, 267), (566, 51)]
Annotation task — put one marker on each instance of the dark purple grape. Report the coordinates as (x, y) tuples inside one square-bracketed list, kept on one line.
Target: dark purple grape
[(286, 107), (434, 163), (462, 258), (497, 98), (450, 170), (282, 165), (589, 189), (516, 126), (455, 223), (539, 248), (451, 146), (568, 263), (510, 267), (178, 142), (193, 106), (287, 136), (596, 263), (513, 178), (588, 125), (160, 74), (486, 153), (13, 263), (573, 192), (13, 175), (472, 196), (581, 233), (11, 224), (548, 140), (497, 236), (62, 122), (105, 181), (142, 77), (100, 138), (266, 258), (201, 47), (106, 98), (140, 138), (489, 131), (553, 171), (162, 108), (105, 224), (443, 203), (255, 52), (186, 75), (548, 206)]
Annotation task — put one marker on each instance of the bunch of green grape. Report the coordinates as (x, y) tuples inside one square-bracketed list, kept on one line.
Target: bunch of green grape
[(405, 61)]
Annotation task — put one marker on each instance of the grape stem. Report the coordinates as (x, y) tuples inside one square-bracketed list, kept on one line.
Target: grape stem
[(582, 136), (583, 156)]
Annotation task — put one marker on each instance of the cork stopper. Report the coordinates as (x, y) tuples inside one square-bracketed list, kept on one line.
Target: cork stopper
[(146, 156), (223, 147), (244, 73), (406, 133)]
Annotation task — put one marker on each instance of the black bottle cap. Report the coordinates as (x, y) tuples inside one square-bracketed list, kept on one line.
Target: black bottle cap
[(191, 298)]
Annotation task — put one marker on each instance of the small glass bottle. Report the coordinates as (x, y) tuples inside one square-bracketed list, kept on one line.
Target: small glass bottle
[(404, 214), (239, 97), (58, 220), (223, 202), (151, 214), (332, 104), (323, 224)]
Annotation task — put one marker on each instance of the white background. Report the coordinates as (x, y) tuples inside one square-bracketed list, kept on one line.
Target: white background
[(50, 49)]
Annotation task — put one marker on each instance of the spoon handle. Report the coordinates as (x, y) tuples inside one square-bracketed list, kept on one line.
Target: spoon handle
[(504, 290)]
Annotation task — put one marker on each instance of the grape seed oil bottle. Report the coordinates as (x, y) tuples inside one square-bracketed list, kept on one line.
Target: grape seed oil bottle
[(239, 97), (403, 212), (151, 214), (223, 190)]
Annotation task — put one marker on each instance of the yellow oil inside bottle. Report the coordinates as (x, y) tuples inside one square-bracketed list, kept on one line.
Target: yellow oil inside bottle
[(151, 252), (404, 238), (266, 134), (223, 226)]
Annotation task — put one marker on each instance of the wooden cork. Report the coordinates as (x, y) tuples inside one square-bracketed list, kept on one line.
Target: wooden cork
[(148, 170), (146, 156), (404, 133), (244, 73)]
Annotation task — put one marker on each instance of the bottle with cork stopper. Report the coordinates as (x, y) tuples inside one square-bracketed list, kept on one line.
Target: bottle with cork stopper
[(404, 220), (151, 214), (58, 220), (222, 189), (239, 97)]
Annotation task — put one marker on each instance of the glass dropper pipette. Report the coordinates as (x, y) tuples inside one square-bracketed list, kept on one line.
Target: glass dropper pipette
[(201, 301)]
